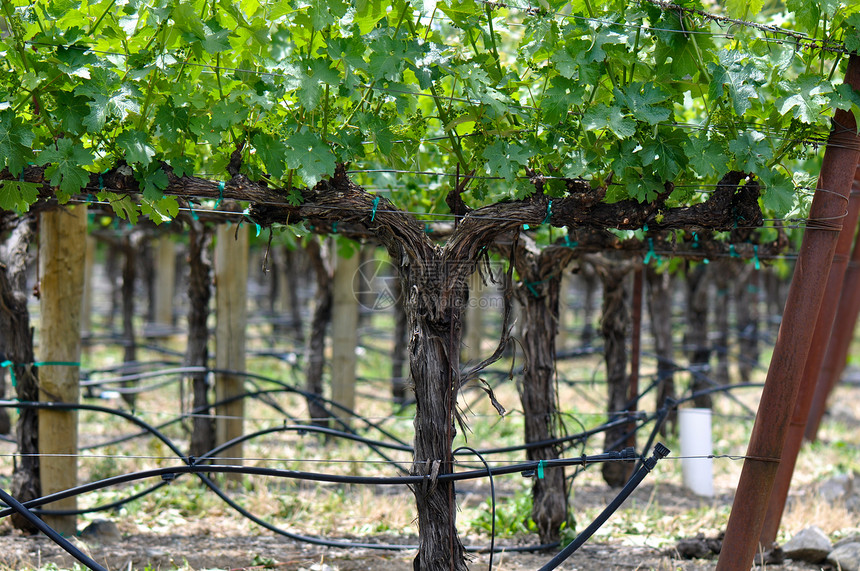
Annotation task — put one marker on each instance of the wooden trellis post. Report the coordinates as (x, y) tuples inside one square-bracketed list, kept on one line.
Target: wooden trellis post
[(231, 288), (62, 253), (344, 333), (474, 318)]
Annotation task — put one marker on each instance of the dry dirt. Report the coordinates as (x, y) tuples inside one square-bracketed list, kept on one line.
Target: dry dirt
[(217, 543)]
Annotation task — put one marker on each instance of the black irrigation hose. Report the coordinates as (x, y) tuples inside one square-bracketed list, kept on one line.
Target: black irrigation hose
[(169, 474), (50, 532), (104, 507), (492, 502), (660, 451)]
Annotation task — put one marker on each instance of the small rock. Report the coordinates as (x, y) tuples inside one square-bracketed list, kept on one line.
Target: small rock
[(835, 488), (809, 544), (846, 557), (775, 556), (854, 538), (694, 548), (844, 414), (101, 531)]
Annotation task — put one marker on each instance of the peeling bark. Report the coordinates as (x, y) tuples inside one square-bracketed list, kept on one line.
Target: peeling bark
[(696, 336), (16, 345), (724, 274), (399, 383), (660, 285), (197, 353), (130, 245), (614, 327), (538, 293), (748, 316), (321, 265)]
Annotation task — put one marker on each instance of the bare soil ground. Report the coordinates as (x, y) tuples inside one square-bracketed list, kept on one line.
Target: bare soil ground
[(217, 542)]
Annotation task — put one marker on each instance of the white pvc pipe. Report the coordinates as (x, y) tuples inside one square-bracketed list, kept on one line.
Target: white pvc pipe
[(696, 448)]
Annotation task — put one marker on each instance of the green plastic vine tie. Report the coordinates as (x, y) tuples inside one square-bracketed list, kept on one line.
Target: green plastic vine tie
[(220, 194), (193, 212), (8, 364), (548, 212), (334, 227), (247, 214), (569, 243), (651, 253), (426, 227), (755, 254), (540, 470), (373, 212), (732, 252)]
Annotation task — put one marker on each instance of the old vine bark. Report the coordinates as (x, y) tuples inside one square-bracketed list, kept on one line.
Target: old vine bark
[(16, 345), (318, 257), (538, 292), (197, 355), (614, 327)]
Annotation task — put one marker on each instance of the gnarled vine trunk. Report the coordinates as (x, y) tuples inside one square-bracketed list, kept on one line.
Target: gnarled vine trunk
[(16, 345), (538, 293), (614, 327), (196, 353), (660, 311), (399, 386), (434, 309), (747, 320), (696, 337), (318, 414)]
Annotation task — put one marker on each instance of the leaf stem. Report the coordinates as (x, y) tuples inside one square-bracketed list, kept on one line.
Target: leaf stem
[(98, 22)]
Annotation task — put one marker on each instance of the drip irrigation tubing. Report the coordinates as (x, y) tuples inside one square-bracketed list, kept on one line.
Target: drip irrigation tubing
[(67, 546), (169, 474), (660, 451)]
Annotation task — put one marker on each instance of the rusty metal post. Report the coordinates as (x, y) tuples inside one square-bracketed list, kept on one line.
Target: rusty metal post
[(841, 336), (795, 337), (814, 361)]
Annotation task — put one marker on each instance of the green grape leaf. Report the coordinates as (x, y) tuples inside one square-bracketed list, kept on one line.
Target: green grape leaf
[(707, 157), (226, 114), (644, 101), (601, 116), (779, 192), (162, 210), (743, 8), (310, 156), (172, 121), (136, 147), (752, 151), (154, 183), (272, 152), (15, 142), (107, 103), (743, 80), (807, 100), (504, 159), (665, 154), (123, 206), (806, 13), (64, 166), (18, 195), (559, 97)]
